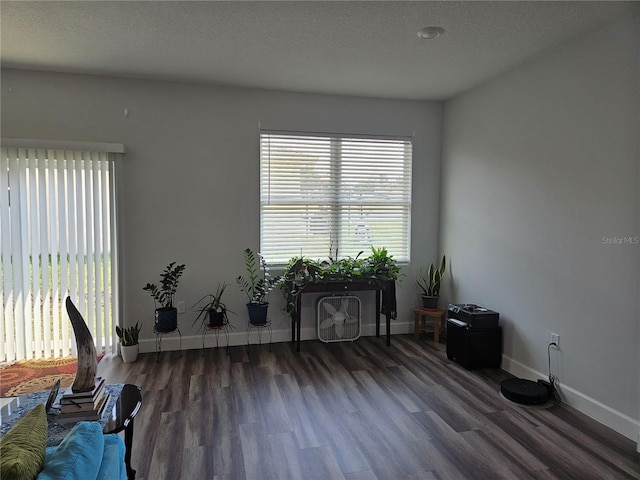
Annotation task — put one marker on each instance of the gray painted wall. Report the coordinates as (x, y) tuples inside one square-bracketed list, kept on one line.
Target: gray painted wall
[(538, 166), (540, 175), (189, 179)]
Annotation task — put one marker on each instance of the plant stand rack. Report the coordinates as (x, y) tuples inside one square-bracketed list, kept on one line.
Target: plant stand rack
[(159, 336), (222, 328), (260, 327)]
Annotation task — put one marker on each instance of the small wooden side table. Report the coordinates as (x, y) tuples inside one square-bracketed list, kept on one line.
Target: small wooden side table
[(427, 320)]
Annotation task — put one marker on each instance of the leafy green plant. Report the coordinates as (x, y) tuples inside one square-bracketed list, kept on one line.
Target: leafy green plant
[(381, 265), (165, 293), (213, 302), (298, 273), (128, 336), (430, 284), (259, 282), (348, 269), (377, 267)]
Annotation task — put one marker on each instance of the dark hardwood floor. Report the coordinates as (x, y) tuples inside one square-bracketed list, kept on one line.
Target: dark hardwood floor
[(352, 411)]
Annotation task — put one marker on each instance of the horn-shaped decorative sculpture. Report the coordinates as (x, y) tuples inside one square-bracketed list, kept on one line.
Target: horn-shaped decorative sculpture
[(87, 363)]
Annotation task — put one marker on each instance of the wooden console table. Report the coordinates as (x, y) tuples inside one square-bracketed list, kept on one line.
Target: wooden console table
[(383, 294)]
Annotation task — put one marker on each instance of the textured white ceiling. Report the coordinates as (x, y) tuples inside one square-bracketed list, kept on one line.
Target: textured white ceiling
[(354, 48)]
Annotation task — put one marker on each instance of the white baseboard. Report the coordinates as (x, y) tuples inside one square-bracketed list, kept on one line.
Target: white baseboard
[(618, 421), (171, 341)]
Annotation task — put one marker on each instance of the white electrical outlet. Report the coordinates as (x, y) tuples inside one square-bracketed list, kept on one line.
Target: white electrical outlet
[(555, 338), (181, 307)]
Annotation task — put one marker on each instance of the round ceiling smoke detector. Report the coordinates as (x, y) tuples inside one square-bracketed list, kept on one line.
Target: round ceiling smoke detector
[(428, 33)]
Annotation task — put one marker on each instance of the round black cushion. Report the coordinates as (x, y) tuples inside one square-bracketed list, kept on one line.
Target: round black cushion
[(525, 392)]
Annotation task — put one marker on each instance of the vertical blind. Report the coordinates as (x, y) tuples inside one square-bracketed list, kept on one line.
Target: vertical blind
[(322, 193), (58, 235)]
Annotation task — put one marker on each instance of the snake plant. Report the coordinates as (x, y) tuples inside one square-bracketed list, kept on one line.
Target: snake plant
[(128, 336), (430, 284)]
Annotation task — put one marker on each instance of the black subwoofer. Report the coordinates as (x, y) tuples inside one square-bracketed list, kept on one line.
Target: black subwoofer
[(474, 339)]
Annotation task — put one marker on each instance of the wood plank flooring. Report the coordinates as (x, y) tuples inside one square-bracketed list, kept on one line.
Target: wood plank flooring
[(352, 411)]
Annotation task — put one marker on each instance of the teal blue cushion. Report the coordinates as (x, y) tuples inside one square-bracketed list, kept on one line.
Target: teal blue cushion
[(79, 455), (113, 467)]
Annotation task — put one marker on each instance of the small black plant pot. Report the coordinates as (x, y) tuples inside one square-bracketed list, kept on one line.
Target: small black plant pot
[(216, 319), (257, 313), (166, 319), (430, 302)]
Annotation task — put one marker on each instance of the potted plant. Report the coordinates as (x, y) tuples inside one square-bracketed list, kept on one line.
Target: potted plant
[(213, 308), (377, 268), (164, 295), (129, 342), (298, 272), (430, 284), (382, 266), (256, 286)]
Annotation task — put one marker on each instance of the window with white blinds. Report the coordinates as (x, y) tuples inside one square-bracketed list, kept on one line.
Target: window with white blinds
[(323, 191), (58, 239)]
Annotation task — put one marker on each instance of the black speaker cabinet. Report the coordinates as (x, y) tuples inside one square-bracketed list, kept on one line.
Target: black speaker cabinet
[(473, 347)]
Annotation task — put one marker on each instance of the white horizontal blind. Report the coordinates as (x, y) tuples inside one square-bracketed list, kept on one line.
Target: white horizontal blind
[(57, 228), (321, 191)]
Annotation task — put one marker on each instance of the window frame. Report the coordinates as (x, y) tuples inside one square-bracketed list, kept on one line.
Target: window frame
[(400, 165)]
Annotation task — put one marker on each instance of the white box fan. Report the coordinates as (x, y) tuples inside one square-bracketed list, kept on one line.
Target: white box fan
[(339, 318)]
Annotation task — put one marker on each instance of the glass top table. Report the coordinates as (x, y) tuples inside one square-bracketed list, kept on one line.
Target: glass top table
[(123, 406), (121, 419)]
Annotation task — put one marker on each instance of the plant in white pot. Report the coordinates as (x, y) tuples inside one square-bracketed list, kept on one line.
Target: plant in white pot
[(256, 286), (430, 284), (129, 342), (164, 295)]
